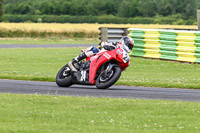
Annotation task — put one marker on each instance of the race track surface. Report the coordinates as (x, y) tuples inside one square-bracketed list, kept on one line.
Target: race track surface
[(50, 88)]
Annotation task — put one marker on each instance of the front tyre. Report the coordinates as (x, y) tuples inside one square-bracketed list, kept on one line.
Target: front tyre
[(64, 77), (107, 79)]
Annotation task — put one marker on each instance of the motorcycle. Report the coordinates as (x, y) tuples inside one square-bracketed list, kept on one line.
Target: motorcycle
[(102, 69)]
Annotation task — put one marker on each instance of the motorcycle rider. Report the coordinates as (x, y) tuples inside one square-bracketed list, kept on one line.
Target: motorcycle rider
[(126, 42)]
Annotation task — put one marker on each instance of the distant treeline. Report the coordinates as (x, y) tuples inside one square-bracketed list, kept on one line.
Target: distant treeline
[(174, 19), (184, 9)]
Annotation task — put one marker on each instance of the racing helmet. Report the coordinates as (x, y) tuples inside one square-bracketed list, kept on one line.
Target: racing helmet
[(127, 43)]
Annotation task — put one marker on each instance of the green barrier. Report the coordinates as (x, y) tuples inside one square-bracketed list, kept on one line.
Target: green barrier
[(179, 45)]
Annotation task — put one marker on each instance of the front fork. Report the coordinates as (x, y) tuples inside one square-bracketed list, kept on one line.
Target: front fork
[(110, 66)]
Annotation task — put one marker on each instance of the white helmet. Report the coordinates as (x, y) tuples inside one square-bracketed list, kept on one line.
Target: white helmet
[(127, 43)]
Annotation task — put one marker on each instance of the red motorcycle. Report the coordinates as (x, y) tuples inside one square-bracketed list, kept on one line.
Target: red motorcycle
[(102, 70)]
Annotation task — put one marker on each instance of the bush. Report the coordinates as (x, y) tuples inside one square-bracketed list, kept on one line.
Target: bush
[(173, 19)]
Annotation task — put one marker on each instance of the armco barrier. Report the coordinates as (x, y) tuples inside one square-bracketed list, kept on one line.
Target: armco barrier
[(112, 34), (179, 45)]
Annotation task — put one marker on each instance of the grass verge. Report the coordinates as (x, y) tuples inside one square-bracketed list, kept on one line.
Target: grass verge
[(36, 113), (44, 63), (48, 40)]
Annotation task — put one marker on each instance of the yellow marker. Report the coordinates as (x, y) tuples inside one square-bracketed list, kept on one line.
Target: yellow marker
[(152, 44), (186, 47), (152, 53)]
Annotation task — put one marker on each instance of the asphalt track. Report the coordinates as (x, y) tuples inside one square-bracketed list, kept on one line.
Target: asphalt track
[(50, 88)]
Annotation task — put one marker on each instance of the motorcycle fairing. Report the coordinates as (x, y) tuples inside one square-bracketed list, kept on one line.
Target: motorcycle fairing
[(101, 58)]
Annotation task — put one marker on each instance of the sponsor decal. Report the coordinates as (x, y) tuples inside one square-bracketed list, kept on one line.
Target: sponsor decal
[(119, 51), (107, 55)]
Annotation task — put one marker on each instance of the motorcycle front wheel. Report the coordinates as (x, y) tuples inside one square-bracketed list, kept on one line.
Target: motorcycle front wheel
[(107, 79), (64, 77)]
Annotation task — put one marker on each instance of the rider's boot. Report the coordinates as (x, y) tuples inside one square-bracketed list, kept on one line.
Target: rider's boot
[(76, 60)]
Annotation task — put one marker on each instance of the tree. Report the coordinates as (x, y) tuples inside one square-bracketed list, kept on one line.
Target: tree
[(122, 8), (149, 8), (129, 8), (2, 7), (190, 9)]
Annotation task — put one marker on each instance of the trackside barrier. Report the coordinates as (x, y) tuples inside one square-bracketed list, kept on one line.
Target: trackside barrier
[(179, 45), (112, 34)]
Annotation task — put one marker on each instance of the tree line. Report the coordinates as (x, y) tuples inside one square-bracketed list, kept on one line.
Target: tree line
[(121, 8), (100, 11)]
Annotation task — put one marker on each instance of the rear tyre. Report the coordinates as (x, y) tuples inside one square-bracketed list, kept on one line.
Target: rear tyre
[(64, 77), (107, 79)]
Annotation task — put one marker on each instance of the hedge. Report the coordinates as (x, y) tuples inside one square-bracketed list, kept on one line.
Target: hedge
[(97, 19)]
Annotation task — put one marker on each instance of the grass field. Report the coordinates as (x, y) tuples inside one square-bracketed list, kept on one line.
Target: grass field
[(36, 113), (44, 63), (49, 41), (56, 27), (53, 114), (46, 30)]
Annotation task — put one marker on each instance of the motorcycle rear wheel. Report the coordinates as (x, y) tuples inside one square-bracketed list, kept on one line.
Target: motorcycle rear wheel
[(64, 79), (105, 81)]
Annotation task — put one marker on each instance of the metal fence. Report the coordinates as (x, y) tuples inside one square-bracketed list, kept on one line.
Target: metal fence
[(112, 34)]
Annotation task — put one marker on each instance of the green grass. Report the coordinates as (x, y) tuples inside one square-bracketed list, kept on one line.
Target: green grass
[(44, 63), (59, 114), (48, 41)]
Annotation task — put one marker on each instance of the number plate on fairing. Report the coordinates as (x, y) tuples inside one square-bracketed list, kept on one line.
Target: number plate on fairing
[(126, 57), (81, 76)]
